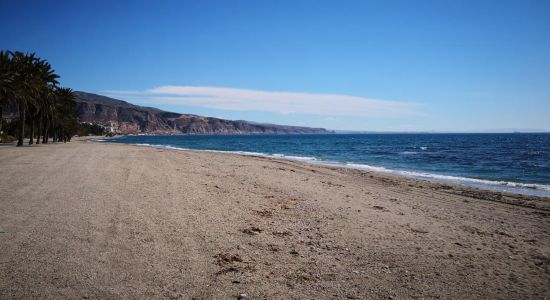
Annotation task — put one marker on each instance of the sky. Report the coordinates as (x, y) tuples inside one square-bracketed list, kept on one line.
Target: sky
[(465, 66)]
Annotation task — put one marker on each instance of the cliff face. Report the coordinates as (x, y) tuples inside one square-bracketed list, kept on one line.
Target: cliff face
[(124, 117)]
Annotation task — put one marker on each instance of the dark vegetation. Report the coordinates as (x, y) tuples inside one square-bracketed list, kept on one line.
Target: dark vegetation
[(90, 129), (36, 106)]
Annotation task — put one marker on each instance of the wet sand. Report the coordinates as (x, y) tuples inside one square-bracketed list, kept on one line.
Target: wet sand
[(91, 220)]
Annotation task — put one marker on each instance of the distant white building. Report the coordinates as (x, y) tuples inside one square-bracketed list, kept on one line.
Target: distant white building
[(110, 127)]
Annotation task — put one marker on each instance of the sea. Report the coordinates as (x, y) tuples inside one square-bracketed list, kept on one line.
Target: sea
[(513, 162)]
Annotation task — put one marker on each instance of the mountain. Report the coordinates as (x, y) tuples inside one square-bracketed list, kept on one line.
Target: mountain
[(123, 117)]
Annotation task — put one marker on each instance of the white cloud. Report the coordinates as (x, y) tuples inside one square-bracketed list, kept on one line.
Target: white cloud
[(281, 102)]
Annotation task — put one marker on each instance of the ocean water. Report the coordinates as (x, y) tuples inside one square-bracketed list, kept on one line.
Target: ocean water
[(516, 162)]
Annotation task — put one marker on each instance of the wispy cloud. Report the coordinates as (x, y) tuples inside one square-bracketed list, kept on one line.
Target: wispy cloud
[(280, 102)]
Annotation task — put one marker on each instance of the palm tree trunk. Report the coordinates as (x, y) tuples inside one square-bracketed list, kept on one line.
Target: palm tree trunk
[(31, 138), (44, 138), (1, 119), (21, 127), (38, 131)]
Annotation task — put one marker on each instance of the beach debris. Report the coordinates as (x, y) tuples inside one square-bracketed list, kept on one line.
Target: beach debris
[(503, 233), (282, 233), (416, 230), (252, 230), (273, 248), (242, 296), (227, 270), (378, 207), (540, 259), (263, 213), (224, 258), (329, 183), (226, 261)]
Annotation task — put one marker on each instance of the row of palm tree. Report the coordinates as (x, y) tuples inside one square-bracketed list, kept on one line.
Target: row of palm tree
[(30, 87)]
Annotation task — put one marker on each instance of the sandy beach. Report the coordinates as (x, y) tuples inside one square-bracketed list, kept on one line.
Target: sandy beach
[(106, 221)]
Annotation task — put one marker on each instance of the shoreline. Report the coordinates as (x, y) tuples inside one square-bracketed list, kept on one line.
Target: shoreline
[(105, 220), (527, 200), (525, 189)]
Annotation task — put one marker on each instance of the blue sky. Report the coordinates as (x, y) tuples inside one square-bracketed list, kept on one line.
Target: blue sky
[(357, 65)]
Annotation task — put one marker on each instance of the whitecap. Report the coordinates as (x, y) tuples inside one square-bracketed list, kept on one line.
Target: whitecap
[(525, 188)]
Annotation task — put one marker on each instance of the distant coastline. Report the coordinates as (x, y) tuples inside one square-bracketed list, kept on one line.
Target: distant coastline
[(120, 117)]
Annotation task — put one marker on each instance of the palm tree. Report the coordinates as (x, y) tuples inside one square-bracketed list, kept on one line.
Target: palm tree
[(6, 82), (30, 84), (64, 114), (48, 115), (44, 114), (46, 85), (32, 78), (25, 85)]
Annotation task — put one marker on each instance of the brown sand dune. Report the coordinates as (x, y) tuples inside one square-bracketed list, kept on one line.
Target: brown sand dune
[(91, 220)]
